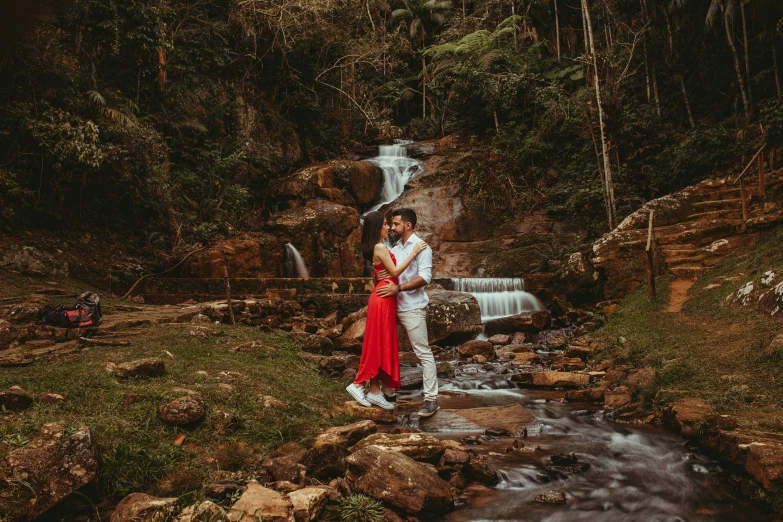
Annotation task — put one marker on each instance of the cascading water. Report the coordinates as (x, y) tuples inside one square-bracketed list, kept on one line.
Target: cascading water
[(294, 264), (498, 297), (398, 169)]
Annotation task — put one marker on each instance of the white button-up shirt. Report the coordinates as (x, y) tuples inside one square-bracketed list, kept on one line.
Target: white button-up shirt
[(419, 267)]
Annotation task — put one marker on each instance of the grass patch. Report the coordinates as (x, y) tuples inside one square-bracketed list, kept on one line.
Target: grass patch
[(710, 350), (137, 448)]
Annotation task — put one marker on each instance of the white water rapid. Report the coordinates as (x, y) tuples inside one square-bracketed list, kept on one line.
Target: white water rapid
[(498, 297), (398, 169), (294, 264)]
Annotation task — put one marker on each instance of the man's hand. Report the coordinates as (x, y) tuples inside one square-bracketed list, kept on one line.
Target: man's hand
[(383, 274), (389, 290)]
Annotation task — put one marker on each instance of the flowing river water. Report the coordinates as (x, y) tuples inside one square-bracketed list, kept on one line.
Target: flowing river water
[(636, 473)]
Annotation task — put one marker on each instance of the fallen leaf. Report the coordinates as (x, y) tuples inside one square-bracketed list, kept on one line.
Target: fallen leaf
[(179, 439)]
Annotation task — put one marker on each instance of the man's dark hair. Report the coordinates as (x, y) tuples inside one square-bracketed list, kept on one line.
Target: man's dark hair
[(407, 215)]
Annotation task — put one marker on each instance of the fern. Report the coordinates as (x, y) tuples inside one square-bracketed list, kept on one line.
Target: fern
[(361, 508)]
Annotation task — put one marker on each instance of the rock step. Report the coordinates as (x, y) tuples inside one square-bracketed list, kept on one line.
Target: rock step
[(713, 231), (718, 204), (690, 255), (687, 271), (714, 214)]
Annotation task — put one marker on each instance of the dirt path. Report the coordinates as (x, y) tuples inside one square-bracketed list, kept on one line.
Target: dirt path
[(679, 294)]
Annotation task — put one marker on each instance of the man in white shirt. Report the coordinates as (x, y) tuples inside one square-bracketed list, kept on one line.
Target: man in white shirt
[(412, 301)]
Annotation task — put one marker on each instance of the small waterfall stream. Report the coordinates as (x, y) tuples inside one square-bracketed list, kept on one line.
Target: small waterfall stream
[(498, 297), (294, 264), (398, 169)]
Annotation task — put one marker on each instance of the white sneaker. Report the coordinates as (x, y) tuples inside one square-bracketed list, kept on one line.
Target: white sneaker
[(357, 392), (379, 400)]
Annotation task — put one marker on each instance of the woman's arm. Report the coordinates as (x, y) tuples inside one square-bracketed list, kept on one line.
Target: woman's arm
[(382, 253)]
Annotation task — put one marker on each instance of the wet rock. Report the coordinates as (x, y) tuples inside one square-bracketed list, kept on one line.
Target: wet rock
[(51, 467), (552, 497), (586, 395), (205, 511), (308, 503), (326, 461), (531, 322), (552, 379), (517, 338), (182, 411), (313, 343), (452, 317), (379, 415), (473, 348), (444, 369), (582, 351), (525, 358), (759, 453), (417, 446), (260, 503), (347, 435), (139, 368), (688, 415), (399, 481), (513, 418), (479, 471), (411, 380), (575, 280), (511, 349), (15, 398), (499, 339), (452, 456), (140, 507), (563, 459), (568, 363)]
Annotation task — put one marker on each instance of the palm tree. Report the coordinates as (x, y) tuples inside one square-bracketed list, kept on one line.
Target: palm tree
[(424, 18), (727, 9)]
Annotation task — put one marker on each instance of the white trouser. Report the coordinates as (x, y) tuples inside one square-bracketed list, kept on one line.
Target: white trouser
[(415, 324)]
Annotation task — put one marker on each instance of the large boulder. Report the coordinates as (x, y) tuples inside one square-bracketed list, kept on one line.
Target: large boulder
[(525, 322), (575, 280), (764, 294), (399, 481), (15, 398), (326, 234), (140, 507), (308, 503), (260, 503), (687, 415), (347, 435), (552, 379), (249, 255), (513, 418), (451, 316), (476, 347), (206, 511), (31, 260), (326, 461), (417, 446), (342, 181), (51, 468)]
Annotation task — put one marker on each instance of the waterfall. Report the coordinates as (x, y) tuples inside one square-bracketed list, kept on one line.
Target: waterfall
[(498, 297), (294, 264), (398, 169)]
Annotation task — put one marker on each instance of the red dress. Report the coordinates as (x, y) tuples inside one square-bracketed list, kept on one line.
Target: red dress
[(379, 349)]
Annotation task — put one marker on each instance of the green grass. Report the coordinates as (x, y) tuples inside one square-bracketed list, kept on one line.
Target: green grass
[(709, 350), (136, 447)]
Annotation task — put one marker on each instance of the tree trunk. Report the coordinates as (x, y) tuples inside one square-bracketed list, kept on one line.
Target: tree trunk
[(647, 72), (687, 102), (747, 53), (737, 69), (775, 67), (611, 211), (423, 88), (584, 31), (557, 31), (655, 91)]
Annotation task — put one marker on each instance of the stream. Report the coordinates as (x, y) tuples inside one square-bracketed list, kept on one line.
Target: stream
[(636, 473)]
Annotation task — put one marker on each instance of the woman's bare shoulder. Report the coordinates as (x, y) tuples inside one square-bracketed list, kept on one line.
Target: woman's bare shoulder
[(380, 248)]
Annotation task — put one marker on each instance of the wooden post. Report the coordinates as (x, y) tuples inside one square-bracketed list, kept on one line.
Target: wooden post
[(228, 296), (744, 200), (762, 176), (650, 259)]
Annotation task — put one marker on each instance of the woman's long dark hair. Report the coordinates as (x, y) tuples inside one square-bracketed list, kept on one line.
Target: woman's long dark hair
[(371, 233)]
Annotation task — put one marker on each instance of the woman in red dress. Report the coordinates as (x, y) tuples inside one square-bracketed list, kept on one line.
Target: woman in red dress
[(380, 361)]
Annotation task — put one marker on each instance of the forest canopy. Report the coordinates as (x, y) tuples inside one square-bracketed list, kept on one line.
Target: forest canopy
[(170, 118)]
